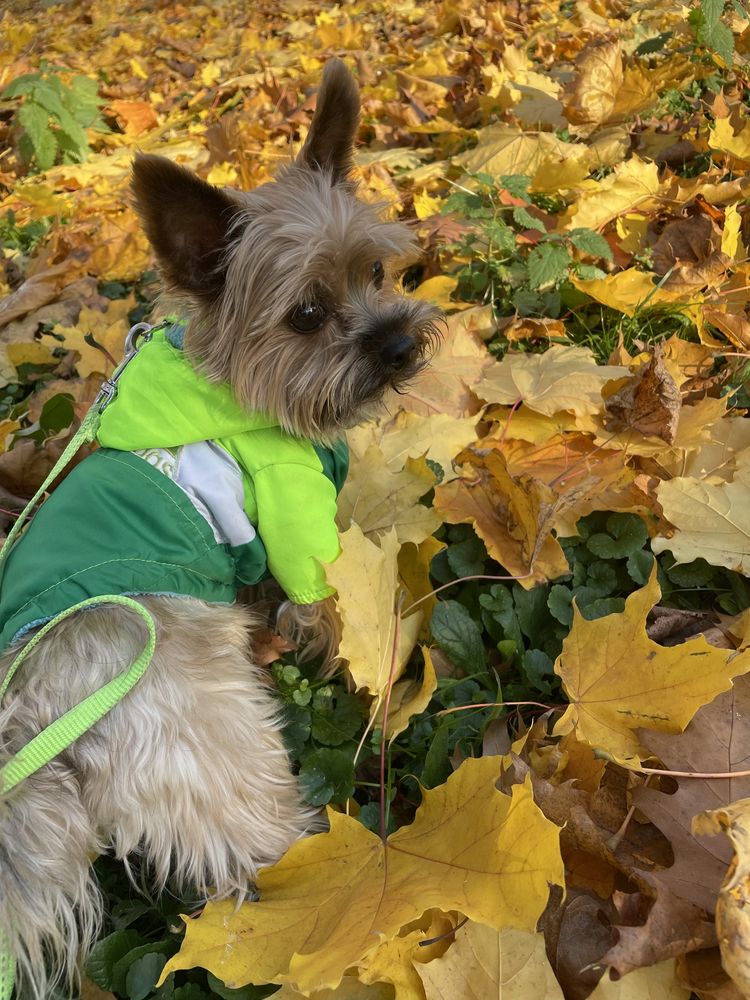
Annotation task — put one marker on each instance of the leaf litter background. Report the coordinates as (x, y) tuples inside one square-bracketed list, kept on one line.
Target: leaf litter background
[(576, 174)]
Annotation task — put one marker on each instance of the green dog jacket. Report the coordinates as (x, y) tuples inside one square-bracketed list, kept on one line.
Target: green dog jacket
[(188, 494)]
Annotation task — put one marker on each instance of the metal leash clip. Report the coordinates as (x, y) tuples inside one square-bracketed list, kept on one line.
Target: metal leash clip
[(140, 332)]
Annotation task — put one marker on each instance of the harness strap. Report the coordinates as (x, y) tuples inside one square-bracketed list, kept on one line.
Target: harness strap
[(84, 435)]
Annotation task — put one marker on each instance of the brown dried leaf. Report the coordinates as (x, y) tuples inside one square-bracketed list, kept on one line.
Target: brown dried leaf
[(649, 402), (733, 906), (513, 517), (717, 740)]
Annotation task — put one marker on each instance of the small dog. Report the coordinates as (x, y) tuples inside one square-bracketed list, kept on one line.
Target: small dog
[(290, 331)]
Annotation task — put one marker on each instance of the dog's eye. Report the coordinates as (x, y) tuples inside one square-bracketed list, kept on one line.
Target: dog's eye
[(377, 274), (307, 318)]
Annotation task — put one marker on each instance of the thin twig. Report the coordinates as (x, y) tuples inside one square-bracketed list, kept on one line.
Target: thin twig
[(463, 579)]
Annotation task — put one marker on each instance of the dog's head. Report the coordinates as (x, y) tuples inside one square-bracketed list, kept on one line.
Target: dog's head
[(289, 289)]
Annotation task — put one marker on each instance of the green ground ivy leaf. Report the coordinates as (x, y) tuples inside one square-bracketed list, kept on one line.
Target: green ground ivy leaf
[(57, 413), (539, 670), (467, 558), (121, 968), (695, 574), (297, 726), (602, 606), (547, 264), (458, 635), (560, 603), (601, 579), (626, 533), (327, 776), (531, 610), (437, 765), (106, 953), (639, 566), (336, 716), (190, 992), (143, 974)]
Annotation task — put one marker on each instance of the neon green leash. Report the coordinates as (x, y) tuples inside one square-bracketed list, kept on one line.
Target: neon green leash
[(65, 730)]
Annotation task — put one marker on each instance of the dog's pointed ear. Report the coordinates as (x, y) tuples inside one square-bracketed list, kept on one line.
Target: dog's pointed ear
[(187, 221), (330, 141)]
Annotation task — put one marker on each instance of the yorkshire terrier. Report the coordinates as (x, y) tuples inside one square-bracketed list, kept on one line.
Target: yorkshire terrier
[(219, 464)]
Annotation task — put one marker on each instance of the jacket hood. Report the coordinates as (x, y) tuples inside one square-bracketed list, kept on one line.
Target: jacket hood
[(162, 402)]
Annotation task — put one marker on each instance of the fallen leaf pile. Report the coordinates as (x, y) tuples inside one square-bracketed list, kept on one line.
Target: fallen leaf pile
[(542, 723)]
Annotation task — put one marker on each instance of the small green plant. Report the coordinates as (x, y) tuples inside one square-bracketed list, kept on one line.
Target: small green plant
[(25, 238), (54, 116), (711, 32), (509, 257)]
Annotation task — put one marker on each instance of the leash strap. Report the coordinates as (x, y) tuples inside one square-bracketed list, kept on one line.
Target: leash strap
[(7, 970), (61, 733)]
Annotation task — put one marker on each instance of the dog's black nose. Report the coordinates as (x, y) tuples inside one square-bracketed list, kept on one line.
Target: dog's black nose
[(396, 352)]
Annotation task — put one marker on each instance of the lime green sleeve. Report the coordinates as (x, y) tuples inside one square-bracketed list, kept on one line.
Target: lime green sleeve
[(296, 508)]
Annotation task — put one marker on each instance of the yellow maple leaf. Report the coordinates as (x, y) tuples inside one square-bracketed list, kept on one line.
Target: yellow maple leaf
[(350, 988), (723, 138), (108, 328), (446, 385), (711, 521), (335, 897), (551, 163), (394, 961), (629, 290), (426, 205), (414, 569), (591, 95), (525, 424), (731, 240), (632, 184), (653, 982), (30, 352), (439, 438), (210, 73), (365, 576), (438, 290), (378, 498), (222, 174), (511, 964), (563, 378), (408, 698), (618, 680)]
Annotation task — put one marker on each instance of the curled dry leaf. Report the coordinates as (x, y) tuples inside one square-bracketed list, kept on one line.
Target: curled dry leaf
[(648, 403), (733, 906), (513, 517), (333, 898)]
